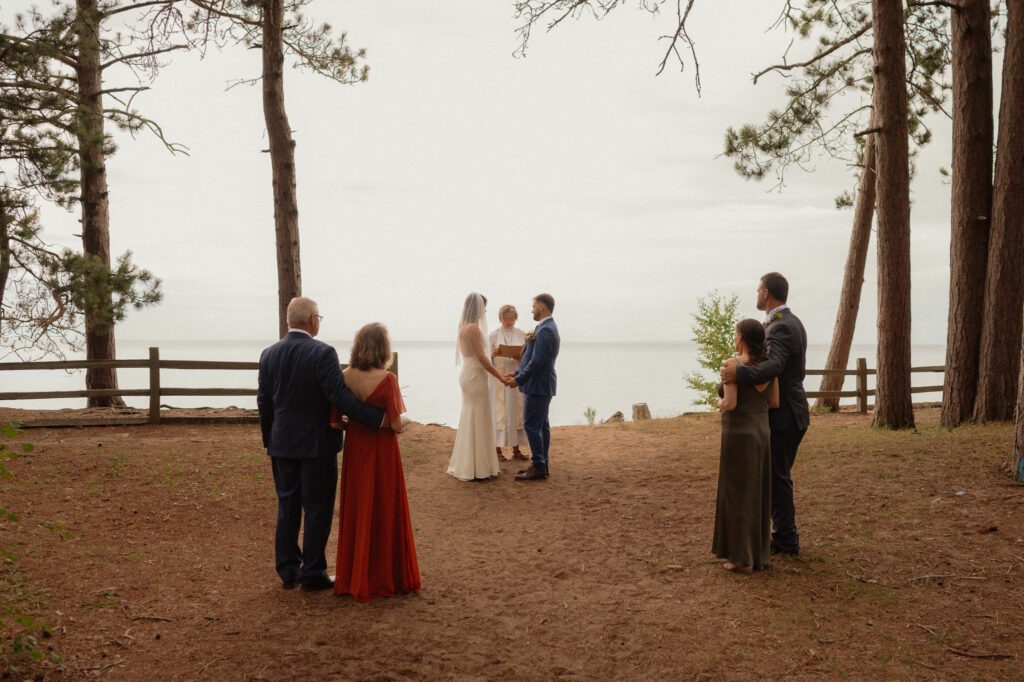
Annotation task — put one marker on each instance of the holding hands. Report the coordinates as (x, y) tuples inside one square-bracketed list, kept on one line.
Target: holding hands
[(509, 380)]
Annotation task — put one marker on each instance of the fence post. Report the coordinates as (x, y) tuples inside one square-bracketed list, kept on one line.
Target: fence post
[(862, 385), (154, 385), (394, 364)]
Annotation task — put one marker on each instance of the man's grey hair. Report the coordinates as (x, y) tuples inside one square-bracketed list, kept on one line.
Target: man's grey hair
[(300, 309)]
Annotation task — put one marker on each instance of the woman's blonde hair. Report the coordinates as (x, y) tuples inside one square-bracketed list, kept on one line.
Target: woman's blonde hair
[(504, 309), (371, 348)]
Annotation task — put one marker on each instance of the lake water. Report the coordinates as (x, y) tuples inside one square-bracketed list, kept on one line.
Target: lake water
[(607, 377)]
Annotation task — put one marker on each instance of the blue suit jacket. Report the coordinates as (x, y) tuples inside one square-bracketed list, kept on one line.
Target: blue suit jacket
[(536, 373), (299, 379)]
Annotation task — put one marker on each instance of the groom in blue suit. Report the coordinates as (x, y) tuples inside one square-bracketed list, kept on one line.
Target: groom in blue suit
[(536, 380), (299, 379)]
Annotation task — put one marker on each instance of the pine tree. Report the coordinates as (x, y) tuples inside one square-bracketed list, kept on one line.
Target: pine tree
[(278, 29), (58, 87)]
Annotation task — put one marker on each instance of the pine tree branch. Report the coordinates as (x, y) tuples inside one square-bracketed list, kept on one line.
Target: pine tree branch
[(681, 34), (928, 97), (138, 5), (937, 3), (869, 131), (817, 58), (141, 55), (136, 89), (211, 7), (140, 121)]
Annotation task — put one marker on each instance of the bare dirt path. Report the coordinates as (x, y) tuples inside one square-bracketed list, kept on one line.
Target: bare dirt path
[(601, 572)]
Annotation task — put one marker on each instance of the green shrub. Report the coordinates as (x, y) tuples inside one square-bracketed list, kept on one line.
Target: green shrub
[(713, 329)]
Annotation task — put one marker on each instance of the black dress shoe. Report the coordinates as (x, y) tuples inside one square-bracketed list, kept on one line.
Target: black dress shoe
[(776, 550), (289, 584), (317, 582), (533, 474)]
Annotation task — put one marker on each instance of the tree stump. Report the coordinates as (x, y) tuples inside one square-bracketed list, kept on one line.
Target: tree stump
[(640, 412)]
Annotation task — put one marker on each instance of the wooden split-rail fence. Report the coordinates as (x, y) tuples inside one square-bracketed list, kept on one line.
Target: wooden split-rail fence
[(156, 391)]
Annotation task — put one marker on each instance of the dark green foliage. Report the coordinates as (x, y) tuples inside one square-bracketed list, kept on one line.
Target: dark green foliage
[(713, 329), (102, 292), (312, 45), (46, 294), (38, 161), (829, 92)]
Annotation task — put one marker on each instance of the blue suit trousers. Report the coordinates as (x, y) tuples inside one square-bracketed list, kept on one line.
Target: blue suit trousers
[(537, 427)]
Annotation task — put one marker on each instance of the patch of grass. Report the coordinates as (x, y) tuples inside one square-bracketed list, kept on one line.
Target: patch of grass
[(255, 457), (172, 475), (116, 465)]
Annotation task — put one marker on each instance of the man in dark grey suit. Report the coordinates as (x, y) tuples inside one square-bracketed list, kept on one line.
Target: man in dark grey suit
[(299, 379), (787, 360)]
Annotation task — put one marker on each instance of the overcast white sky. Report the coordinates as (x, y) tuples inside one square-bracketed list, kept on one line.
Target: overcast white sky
[(460, 167)]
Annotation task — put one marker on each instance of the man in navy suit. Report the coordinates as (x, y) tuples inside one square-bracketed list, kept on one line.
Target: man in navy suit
[(536, 380), (787, 360), (299, 379)]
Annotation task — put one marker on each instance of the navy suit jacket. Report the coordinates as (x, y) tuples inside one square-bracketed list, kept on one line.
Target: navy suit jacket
[(299, 379), (536, 373), (787, 360)]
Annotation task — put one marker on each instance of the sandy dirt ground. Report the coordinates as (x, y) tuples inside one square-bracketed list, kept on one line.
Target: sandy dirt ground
[(912, 564)]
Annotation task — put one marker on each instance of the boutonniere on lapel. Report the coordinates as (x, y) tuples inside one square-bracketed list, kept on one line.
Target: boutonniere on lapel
[(530, 336), (776, 316)]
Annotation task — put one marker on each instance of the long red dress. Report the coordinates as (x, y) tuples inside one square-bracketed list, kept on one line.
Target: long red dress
[(376, 555)]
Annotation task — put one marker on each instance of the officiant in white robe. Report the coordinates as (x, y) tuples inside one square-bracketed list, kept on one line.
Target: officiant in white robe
[(508, 402)]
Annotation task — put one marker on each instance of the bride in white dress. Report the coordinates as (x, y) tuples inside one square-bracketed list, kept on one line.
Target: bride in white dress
[(474, 456)]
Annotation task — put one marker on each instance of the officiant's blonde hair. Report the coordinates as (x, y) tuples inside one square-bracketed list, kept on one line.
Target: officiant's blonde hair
[(371, 348), (507, 308)]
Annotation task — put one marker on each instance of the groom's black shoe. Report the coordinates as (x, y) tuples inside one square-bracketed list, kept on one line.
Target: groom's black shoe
[(776, 550), (317, 582), (289, 584), (532, 473)]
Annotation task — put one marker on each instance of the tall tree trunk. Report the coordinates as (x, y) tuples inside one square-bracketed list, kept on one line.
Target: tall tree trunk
[(1018, 440), (853, 280), (5, 258), (282, 160), (99, 327), (1004, 293), (893, 406), (971, 205)]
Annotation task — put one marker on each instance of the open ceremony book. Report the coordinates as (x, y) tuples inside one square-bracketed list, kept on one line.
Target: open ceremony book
[(510, 351)]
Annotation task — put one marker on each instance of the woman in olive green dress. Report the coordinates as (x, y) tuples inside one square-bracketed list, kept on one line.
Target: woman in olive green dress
[(743, 509)]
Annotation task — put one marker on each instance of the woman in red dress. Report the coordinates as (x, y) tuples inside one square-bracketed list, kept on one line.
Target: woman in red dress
[(376, 555)]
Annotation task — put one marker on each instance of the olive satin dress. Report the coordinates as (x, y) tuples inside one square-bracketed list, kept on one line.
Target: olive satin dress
[(743, 509)]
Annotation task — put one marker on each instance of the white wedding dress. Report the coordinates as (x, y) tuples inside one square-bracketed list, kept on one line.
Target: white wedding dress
[(474, 455)]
